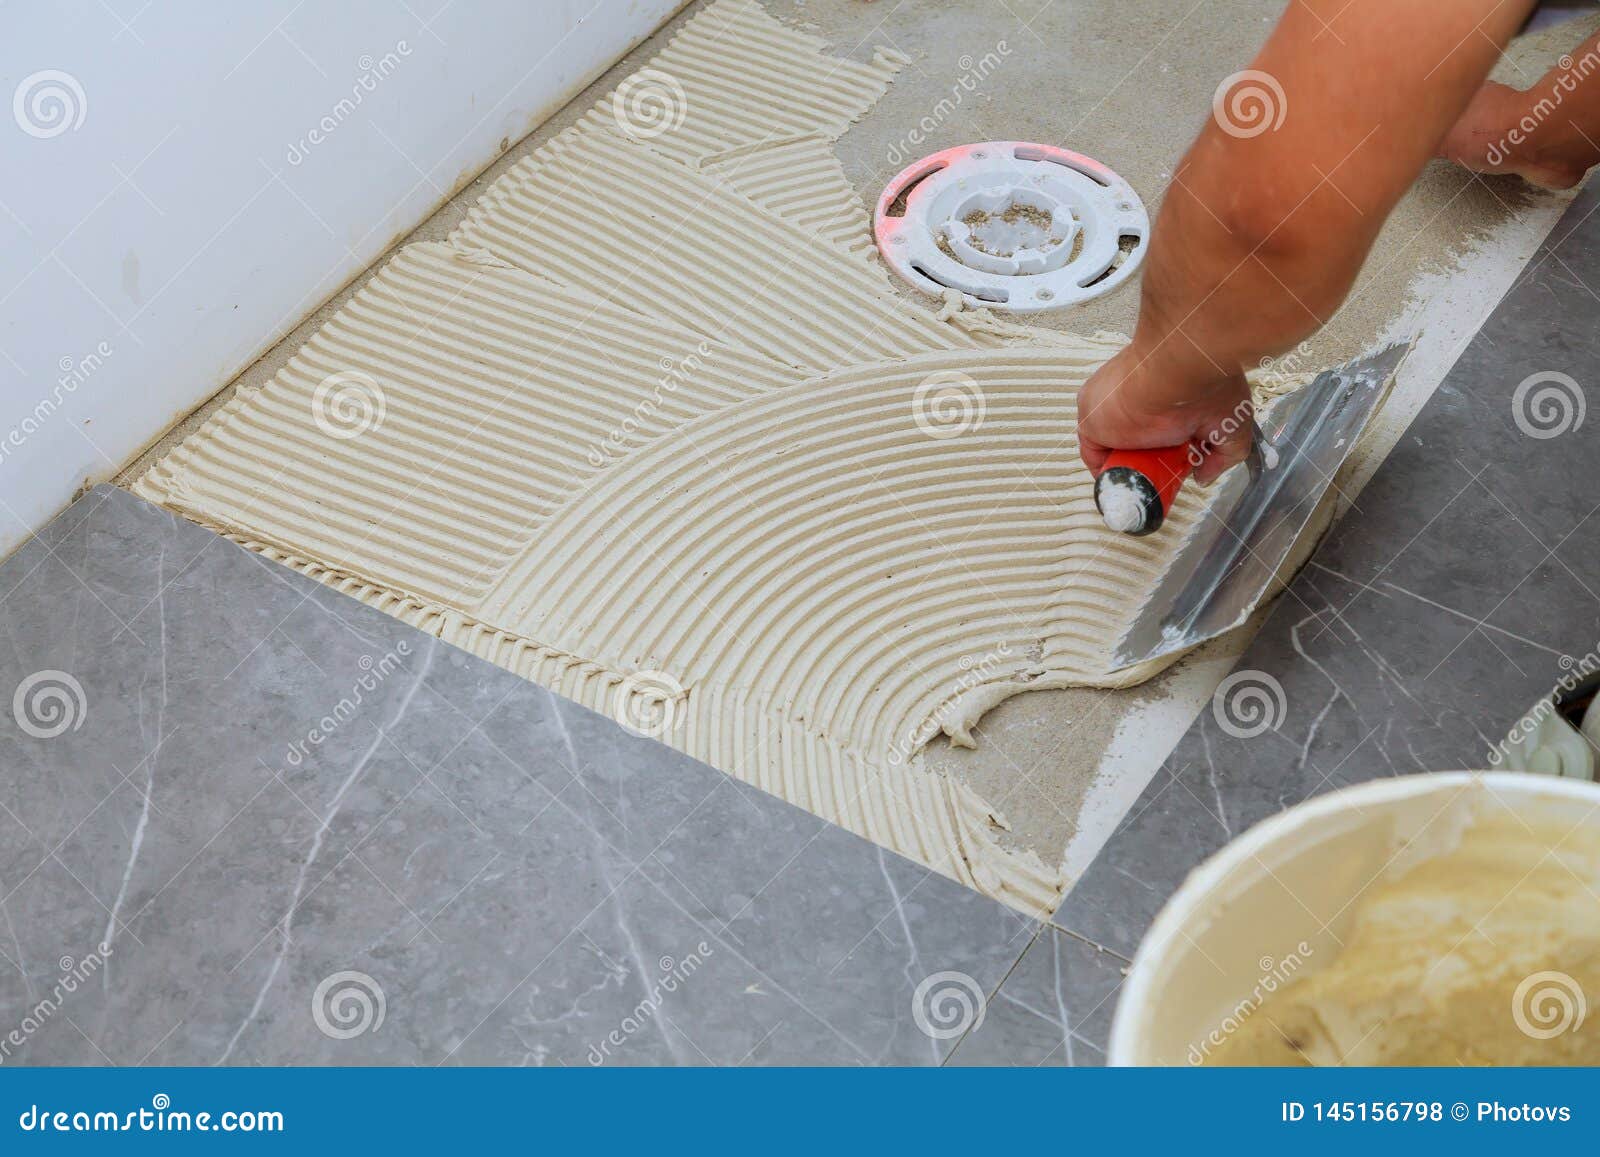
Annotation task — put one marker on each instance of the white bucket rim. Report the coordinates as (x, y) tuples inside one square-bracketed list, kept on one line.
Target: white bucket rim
[(1168, 926)]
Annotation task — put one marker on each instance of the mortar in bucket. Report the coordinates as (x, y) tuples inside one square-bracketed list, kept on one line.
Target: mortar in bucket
[(1431, 919)]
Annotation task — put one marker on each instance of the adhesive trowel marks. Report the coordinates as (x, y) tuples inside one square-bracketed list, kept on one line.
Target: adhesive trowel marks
[(688, 459)]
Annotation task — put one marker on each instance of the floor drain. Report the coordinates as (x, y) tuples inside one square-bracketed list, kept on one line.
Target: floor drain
[(1011, 225)]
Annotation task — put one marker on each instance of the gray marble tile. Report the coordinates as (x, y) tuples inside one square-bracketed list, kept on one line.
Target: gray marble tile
[(1455, 595), (281, 812), (890, 903), (1053, 1009)]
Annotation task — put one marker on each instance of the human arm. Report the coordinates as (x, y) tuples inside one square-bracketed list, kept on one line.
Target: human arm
[(1261, 235)]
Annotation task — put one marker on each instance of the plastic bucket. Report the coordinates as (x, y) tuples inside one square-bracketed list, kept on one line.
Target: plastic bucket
[(1251, 918)]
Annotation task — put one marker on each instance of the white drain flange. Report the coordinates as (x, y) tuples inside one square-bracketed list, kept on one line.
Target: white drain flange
[(1013, 226)]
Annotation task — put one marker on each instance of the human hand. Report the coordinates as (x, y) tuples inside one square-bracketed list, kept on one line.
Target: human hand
[(1141, 401), (1493, 135)]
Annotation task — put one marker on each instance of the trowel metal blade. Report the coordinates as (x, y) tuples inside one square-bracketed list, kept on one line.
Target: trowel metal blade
[(1224, 568)]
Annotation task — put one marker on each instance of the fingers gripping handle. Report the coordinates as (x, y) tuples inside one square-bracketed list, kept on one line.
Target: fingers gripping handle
[(1137, 487)]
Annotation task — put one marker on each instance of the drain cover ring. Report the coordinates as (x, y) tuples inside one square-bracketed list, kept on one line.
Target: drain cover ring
[(1012, 225)]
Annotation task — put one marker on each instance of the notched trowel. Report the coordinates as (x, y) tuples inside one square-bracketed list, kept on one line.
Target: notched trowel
[(1223, 570)]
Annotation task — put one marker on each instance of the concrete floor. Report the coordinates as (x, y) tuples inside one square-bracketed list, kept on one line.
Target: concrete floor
[(1127, 82)]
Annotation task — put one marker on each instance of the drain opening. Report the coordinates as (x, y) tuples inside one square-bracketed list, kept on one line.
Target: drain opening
[(897, 207), (1018, 226), (1006, 231), (1126, 245), (1051, 157), (981, 292)]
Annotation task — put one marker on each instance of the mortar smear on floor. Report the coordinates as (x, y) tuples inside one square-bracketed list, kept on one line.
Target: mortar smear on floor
[(653, 430)]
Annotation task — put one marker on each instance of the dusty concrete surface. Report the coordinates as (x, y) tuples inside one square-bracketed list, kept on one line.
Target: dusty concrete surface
[(1127, 82)]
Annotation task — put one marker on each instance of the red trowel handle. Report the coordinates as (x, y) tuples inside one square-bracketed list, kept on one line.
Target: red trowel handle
[(1166, 468), (1154, 475)]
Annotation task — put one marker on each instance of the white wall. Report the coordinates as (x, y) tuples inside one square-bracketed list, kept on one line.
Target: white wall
[(180, 185)]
